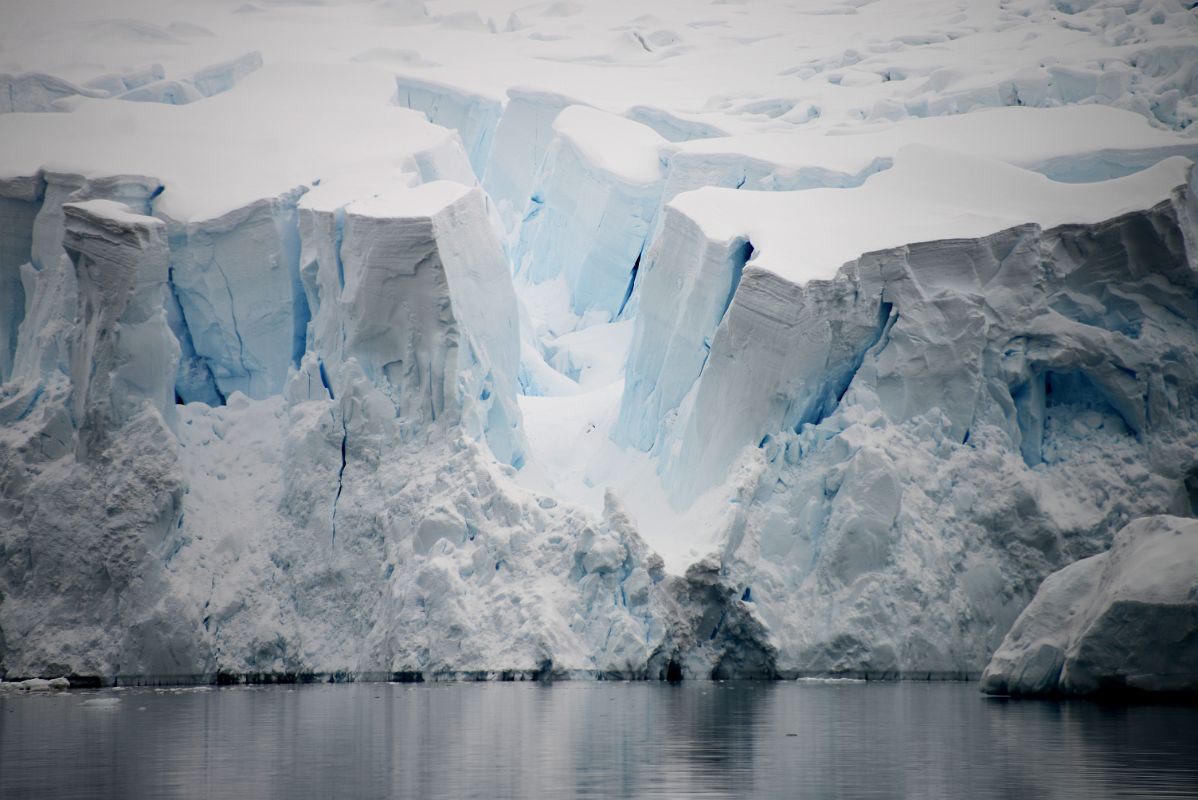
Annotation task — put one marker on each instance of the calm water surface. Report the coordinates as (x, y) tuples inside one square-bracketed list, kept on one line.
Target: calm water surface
[(575, 739)]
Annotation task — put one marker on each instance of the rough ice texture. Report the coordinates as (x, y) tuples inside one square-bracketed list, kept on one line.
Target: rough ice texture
[(843, 423), (798, 324), (1123, 620), (92, 468), (926, 432), (414, 289), (123, 354), (37, 91), (236, 279)]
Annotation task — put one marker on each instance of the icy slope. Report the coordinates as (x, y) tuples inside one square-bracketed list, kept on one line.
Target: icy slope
[(477, 338), (1126, 619)]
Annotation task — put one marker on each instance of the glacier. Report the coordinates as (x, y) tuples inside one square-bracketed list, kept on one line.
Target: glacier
[(872, 356)]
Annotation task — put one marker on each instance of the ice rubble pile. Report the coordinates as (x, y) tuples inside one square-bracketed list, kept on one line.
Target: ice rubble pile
[(507, 384)]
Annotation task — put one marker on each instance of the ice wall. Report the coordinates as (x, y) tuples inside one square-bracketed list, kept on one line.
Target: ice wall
[(673, 127), (236, 279), (48, 280), (91, 465), (882, 416), (671, 341), (788, 349), (414, 288), (474, 116), (41, 92), (123, 354), (37, 91), (591, 206), (20, 199), (521, 141), (929, 428)]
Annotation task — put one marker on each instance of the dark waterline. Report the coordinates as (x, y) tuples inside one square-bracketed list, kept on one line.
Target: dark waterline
[(590, 740)]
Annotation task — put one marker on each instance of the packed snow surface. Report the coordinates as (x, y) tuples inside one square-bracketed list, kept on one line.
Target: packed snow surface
[(403, 339), (928, 194)]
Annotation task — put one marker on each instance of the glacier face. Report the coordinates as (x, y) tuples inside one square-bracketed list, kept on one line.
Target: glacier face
[(532, 373), (246, 324), (960, 385), (590, 209)]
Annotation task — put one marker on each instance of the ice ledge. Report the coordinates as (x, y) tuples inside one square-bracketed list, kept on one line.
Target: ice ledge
[(929, 194)]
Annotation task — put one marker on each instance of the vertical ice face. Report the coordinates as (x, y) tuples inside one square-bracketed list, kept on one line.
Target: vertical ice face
[(37, 91), (413, 286), (48, 226), (89, 463), (484, 303), (522, 138), (397, 319), (473, 116), (693, 170), (673, 127), (123, 354), (48, 280), (594, 197), (686, 282), (782, 356), (236, 279), (152, 87), (322, 275), (222, 77), (20, 199)]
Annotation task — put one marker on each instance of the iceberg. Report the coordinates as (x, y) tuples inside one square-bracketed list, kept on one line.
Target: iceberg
[(1121, 621)]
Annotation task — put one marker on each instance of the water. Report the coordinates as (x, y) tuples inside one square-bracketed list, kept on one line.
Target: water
[(579, 739)]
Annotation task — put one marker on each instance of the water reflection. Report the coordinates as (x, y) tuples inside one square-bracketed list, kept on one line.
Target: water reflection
[(585, 740)]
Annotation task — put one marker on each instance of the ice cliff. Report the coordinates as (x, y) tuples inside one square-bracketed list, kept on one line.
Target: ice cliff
[(347, 360), (990, 386)]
